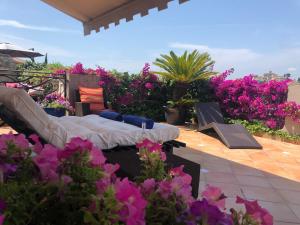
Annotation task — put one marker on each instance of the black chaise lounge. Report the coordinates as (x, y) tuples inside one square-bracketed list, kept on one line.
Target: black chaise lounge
[(124, 155), (234, 136)]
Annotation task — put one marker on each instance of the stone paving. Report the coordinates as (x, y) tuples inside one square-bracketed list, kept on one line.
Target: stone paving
[(271, 175)]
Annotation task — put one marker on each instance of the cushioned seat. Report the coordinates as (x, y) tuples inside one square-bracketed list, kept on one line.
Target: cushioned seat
[(108, 134), (102, 132)]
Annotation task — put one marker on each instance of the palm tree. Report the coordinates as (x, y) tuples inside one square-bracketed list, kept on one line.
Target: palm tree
[(184, 69)]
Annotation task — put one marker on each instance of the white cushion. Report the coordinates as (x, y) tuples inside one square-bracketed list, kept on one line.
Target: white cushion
[(108, 134)]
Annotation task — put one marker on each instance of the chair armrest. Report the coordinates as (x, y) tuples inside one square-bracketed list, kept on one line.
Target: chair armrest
[(82, 109)]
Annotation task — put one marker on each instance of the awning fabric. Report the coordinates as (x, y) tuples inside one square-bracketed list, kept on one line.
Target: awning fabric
[(97, 14)]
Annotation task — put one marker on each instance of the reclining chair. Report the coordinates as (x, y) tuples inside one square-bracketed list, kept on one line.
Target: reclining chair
[(234, 136), (117, 139)]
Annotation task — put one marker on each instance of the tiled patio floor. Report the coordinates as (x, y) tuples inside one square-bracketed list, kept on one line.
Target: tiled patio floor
[(271, 175)]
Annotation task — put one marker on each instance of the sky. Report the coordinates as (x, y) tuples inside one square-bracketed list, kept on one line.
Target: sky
[(251, 36)]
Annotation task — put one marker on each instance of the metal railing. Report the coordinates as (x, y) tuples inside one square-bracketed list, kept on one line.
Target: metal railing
[(35, 81)]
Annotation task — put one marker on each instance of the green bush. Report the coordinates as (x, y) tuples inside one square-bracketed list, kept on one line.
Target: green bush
[(258, 128)]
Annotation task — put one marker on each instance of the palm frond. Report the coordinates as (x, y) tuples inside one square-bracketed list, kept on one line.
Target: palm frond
[(186, 68)]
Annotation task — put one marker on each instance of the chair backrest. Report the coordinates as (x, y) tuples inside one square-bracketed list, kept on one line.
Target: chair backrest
[(27, 113), (209, 112)]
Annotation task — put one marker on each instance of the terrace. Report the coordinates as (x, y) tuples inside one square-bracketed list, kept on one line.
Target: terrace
[(92, 146)]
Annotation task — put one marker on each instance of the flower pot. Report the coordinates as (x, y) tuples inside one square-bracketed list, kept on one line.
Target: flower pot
[(58, 112), (175, 116)]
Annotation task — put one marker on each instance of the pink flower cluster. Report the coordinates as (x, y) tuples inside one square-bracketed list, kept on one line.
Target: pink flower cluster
[(123, 201), (149, 150), (77, 69), (249, 99), (107, 80), (140, 86), (55, 100)]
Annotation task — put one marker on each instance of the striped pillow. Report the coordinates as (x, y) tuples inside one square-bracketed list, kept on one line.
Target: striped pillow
[(94, 96)]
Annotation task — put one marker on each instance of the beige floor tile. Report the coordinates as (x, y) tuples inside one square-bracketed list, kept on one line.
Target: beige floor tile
[(296, 209), (253, 181), (284, 184), (280, 212), (262, 193), (220, 177), (213, 167), (284, 223), (291, 196), (245, 170)]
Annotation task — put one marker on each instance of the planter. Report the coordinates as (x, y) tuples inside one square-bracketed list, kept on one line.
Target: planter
[(175, 116), (58, 112)]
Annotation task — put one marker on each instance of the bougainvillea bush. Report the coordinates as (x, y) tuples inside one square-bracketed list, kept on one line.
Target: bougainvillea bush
[(142, 94), (44, 185), (249, 99)]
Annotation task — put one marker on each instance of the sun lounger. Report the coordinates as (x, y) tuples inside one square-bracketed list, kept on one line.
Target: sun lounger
[(117, 139), (234, 136)]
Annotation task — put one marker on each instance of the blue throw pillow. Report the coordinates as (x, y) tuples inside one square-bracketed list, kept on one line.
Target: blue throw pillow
[(138, 121), (111, 115)]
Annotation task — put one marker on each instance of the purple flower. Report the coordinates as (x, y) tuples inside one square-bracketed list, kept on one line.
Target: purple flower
[(203, 211)]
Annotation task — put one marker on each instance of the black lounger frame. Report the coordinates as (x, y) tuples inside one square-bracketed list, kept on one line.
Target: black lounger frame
[(234, 136), (124, 155)]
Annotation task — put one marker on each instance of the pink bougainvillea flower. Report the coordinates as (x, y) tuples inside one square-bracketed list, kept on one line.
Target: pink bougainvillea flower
[(108, 178), (76, 145), (177, 171), (47, 162), (101, 83), (149, 86), (146, 143), (151, 147), (180, 186), (77, 69), (66, 179), (37, 144), (97, 158), (148, 186), (214, 196), (133, 203), (259, 214), (110, 169), (18, 141), (2, 217)]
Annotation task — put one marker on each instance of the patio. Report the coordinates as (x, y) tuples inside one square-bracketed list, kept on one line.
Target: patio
[(271, 175)]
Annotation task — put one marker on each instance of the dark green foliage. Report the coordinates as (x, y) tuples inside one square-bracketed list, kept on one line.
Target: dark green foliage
[(258, 128)]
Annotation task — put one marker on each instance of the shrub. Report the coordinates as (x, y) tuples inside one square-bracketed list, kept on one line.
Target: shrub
[(43, 185), (141, 94), (249, 99)]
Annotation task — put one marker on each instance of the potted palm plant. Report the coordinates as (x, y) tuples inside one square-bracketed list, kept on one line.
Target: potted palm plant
[(181, 71)]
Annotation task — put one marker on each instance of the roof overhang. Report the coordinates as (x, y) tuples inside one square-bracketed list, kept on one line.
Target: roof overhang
[(97, 14)]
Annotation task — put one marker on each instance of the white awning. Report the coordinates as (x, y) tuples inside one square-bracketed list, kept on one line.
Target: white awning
[(97, 14)]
